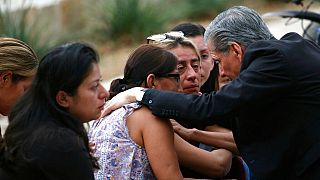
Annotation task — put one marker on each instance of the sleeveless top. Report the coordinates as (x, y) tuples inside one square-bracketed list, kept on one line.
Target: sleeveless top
[(118, 155)]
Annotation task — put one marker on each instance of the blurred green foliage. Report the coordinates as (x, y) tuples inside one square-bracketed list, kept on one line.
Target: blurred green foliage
[(196, 10), (17, 24), (29, 25), (130, 20), (99, 21)]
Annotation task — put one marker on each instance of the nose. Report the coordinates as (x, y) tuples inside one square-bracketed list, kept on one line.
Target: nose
[(191, 74), (104, 94)]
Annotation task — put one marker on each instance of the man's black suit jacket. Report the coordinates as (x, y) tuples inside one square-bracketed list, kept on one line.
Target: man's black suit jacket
[(275, 104)]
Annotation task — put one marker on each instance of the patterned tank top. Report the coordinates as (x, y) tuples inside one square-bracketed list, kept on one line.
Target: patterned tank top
[(118, 155)]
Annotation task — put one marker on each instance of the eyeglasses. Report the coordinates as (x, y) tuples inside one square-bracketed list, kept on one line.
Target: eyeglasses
[(176, 76), (165, 37)]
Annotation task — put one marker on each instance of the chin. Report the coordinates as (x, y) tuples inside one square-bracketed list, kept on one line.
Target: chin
[(97, 117), (192, 92), (92, 118)]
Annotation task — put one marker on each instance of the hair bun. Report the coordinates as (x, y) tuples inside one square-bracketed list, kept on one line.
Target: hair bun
[(122, 81)]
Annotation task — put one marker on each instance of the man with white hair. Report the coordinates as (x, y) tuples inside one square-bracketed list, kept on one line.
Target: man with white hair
[(274, 96)]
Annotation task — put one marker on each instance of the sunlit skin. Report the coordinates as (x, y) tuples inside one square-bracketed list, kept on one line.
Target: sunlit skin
[(11, 91), (206, 59), (189, 69), (90, 97), (142, 124)]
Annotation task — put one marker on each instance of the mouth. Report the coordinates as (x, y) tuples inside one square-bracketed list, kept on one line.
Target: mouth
[(101, 107), (192, 89)]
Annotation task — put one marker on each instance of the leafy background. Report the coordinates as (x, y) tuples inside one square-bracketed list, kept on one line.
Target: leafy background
[(113, 27)]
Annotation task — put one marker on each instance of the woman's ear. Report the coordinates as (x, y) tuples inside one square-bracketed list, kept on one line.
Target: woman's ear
[(62, 99), (5, 78), (151, 81)]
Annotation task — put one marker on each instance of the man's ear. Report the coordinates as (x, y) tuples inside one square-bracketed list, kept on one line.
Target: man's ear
[(151, 81), (62, 99), (5, 78), (237, 50)]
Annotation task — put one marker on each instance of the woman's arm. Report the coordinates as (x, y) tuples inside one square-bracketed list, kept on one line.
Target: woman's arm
[(217, 139), (213, 135), (157, 137), (216, 163)]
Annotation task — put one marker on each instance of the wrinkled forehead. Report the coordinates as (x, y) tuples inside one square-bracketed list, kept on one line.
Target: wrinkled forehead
[(185, 53)]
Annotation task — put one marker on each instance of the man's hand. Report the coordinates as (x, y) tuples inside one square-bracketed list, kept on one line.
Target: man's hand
[(125, 97)]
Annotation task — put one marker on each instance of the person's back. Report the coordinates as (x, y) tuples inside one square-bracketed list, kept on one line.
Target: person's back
[(277, 94), (115, 147), (287, 126), (45, 155), (125, 143)]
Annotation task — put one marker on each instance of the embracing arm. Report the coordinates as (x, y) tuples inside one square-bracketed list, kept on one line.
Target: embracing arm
[(262, 80), (264, 77), (217, 139), (215, 136), (216, 163)]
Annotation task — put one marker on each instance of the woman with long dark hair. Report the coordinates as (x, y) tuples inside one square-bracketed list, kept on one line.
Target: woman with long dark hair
[(127, 146), (45, 138)]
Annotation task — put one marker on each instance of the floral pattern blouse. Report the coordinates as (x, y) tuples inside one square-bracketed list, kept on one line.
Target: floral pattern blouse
[(118, 155)]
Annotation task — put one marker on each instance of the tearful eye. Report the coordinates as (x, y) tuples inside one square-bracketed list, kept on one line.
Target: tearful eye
[(95, 85), (205, 56), (195, 68), (181, 69), (195, 65)]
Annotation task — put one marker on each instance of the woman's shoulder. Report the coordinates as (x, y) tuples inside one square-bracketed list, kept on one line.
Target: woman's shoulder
[(52, 143), (145, 118), (115, 118), (143, 113), (141, 122), (57, 138)]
